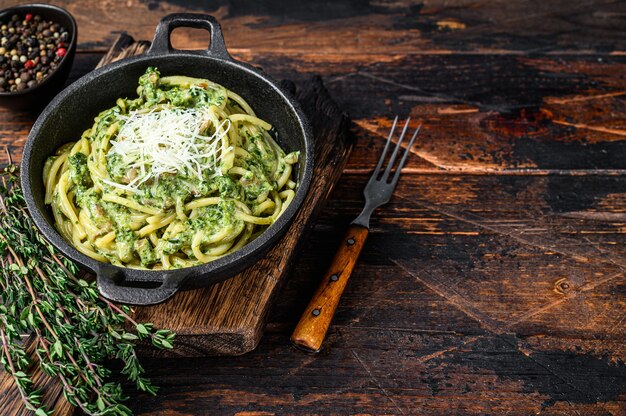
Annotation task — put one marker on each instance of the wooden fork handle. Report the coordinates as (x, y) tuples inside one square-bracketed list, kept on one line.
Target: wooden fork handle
[(314, 323)]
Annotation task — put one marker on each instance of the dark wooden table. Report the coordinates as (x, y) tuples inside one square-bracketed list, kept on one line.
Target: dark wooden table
[(493, 283)]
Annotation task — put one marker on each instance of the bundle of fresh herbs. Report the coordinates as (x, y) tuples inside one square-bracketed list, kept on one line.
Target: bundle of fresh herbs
[(76, 330)]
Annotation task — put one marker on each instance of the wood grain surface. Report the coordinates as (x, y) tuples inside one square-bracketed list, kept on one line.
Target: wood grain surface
[(493, 282)]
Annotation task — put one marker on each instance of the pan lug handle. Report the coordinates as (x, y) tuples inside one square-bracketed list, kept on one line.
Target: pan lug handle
[(114, 286), (161, 44)]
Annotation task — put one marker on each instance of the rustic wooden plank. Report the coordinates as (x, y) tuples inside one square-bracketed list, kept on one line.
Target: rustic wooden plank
[(350, 26), (403, 344), (409, 373), (567, 114), (486, 286), (510, 251), (496, 113), (445, 312)]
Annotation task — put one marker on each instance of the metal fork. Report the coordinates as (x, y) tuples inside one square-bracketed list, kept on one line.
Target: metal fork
[(314, 323)]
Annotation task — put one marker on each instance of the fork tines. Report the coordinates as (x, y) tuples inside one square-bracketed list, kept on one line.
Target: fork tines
[(392, 159)]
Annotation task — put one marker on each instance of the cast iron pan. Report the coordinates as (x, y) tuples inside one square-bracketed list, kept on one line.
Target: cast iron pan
[(73, 110)]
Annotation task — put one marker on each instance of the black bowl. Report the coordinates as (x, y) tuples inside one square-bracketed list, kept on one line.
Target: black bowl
[(34, 99), (72, 111)]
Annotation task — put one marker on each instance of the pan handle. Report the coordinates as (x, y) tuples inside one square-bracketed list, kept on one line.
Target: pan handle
[(161, 43), (113, 286)]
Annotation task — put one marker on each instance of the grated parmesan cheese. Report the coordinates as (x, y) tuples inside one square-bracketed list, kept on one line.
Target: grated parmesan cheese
[(168, 141)]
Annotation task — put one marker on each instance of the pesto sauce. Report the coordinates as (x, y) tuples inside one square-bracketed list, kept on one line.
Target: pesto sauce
[(264, 163), (79, 172)]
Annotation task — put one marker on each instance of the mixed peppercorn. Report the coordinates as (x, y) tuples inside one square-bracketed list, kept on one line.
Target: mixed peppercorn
[(30, 50)]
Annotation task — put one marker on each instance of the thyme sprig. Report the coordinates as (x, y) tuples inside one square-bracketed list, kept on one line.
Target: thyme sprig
[(76, 330)]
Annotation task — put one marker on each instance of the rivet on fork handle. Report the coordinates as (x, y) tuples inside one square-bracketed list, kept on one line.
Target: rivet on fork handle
[(311, 330)]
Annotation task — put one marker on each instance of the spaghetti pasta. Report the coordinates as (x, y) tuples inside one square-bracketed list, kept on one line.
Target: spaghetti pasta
[(181, 175)]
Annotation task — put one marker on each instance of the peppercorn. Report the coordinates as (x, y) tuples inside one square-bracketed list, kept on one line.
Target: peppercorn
[(31, 48)]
